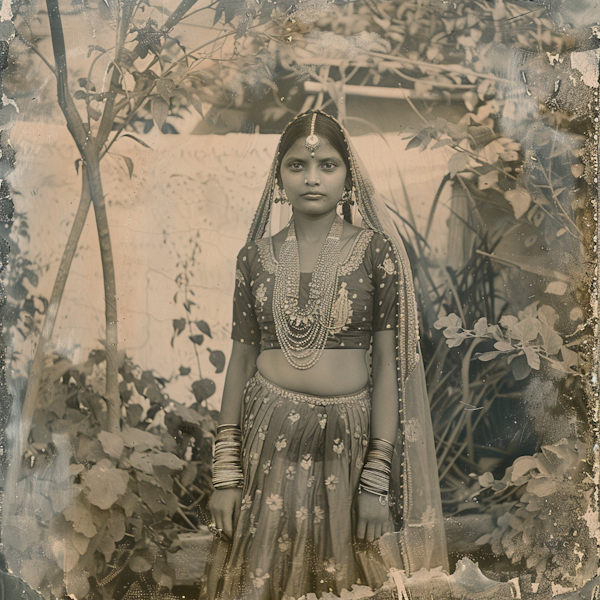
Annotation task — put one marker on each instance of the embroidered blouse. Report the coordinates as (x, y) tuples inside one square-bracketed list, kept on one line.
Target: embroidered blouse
[(367, 298)]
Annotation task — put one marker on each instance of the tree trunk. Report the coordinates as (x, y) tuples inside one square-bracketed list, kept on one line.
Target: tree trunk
[(112, 397)]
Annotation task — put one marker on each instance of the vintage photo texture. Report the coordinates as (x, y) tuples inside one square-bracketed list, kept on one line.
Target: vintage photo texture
[(143, 133)]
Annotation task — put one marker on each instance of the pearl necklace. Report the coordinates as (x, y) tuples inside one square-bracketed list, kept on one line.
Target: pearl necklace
[(302, 332)]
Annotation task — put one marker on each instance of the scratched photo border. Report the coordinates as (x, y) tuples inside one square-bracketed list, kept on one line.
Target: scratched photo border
[(9, 160)]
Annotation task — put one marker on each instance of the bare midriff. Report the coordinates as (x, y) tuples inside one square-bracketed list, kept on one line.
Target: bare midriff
[(336, 373)]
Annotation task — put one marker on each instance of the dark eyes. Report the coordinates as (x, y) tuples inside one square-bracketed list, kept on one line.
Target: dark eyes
[(328, 166)]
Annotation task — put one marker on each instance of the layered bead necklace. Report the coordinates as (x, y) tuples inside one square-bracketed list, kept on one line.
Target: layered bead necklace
[(302, 332)]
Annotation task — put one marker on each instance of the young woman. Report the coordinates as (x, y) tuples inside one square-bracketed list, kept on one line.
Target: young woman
[(325, 473)]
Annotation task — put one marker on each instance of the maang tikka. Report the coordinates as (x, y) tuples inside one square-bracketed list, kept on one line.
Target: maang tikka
[(312, 142)]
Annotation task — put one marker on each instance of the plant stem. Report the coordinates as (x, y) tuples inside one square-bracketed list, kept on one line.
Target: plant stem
[(110, 294)]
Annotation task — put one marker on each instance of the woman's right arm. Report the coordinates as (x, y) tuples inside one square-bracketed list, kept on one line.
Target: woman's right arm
[(225, 504), (242, 366)]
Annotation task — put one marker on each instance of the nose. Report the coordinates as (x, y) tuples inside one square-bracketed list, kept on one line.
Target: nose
[(312, 176)]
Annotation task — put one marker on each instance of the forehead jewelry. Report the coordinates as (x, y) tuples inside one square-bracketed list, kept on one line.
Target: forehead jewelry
[(312, 141)]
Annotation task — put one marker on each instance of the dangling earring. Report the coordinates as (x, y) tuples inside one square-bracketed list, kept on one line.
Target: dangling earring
[(347, 197), (282, 197)]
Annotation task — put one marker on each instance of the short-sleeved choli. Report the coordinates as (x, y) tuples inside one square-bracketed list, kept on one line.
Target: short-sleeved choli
[(367, 293)]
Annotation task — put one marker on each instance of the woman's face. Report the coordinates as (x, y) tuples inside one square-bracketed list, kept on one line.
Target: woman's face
[(313, 185)]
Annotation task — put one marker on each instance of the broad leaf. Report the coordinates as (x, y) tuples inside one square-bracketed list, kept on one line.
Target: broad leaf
[(533, 358), (453, 337), (65, 553), (217, 359), (458, 162), (163, 575), (189, 474), (451, 320), (82, 521), (570, 358), (178, 327), (112, 443), (166, 459), (547, 314), (504, 346), (105, 484), (542, 487), (552, 341), (520, 200), (160, 110), (197, 339), (77, 583), (481, 327), (204, 328), (486, 480), (116, 523), (203, 389), (488, 180), (141, 461), (520, 368), (139, 440), (139, 564), (557, 288), (166, 88)]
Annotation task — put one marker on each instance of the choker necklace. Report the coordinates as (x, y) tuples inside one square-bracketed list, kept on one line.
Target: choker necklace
[(302, 332)]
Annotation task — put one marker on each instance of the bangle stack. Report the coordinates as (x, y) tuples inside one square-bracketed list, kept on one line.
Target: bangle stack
[(227, 460), (377, 470)]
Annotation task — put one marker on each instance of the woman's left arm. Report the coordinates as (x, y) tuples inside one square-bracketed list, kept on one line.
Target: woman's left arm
[(384, 403), (373, 516)]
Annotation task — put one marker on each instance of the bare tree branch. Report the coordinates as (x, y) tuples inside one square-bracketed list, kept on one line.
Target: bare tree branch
[(67, 105)]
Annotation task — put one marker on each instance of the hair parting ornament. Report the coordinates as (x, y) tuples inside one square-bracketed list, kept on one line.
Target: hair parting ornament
[(312, 141)]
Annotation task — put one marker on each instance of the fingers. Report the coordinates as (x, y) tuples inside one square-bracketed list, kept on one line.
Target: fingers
[(236, 513), (217, 515), (227, 526), (361, 529), (372, 530)]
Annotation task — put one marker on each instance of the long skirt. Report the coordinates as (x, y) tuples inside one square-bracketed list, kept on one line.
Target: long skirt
[(302, 457)]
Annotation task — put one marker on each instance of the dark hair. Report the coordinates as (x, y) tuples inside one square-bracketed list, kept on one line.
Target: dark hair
[(324, 126)]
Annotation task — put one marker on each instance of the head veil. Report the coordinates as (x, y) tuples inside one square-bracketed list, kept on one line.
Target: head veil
[(415, 482)]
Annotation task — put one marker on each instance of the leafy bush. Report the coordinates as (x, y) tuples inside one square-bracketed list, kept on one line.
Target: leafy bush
[(97, 503), (524, 340), (547, 526)]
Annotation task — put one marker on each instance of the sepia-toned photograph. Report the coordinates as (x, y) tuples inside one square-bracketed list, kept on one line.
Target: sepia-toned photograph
[(299, 299)]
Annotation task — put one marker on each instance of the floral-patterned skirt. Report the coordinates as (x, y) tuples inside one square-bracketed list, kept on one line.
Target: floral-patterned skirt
[(302, 458)]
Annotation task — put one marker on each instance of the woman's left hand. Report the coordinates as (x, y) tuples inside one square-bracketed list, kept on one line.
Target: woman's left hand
[(373, 518)]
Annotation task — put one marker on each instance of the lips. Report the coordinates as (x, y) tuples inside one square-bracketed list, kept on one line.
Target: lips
[(312, 196)]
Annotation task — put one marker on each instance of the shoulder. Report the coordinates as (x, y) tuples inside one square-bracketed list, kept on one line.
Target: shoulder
[(381, 246), (249, 253), (257, 255)]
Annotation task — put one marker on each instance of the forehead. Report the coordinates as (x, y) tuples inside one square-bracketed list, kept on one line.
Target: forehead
[(325, 150)]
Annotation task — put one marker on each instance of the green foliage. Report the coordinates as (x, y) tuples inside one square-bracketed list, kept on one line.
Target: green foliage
[(24, 308), (115, 500), (531, 336), (203, 388), (547, 527)]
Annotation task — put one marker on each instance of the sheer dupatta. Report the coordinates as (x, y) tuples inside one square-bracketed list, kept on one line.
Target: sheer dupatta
[(415, 484)]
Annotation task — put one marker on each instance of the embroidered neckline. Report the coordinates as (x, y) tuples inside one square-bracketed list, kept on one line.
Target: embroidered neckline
[(356, 255), (347, 266)]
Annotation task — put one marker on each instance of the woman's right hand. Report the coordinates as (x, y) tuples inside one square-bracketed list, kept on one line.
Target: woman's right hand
[(225, 506)]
